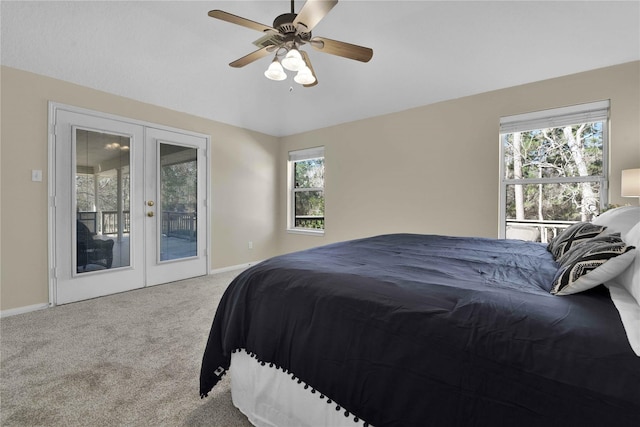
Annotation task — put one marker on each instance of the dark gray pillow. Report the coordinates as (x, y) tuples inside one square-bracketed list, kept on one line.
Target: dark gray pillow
[(590, 263), (573, 235)]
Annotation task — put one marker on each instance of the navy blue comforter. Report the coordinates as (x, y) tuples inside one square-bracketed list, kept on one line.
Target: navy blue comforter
[(423, 330)]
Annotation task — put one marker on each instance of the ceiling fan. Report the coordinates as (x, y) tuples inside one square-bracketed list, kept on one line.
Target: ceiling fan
[(289, 32)]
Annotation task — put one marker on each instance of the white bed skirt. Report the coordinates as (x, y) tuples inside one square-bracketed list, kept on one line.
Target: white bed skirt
[(271, 398)]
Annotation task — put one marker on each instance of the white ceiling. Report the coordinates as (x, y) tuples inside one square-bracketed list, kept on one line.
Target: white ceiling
[(170, 53)]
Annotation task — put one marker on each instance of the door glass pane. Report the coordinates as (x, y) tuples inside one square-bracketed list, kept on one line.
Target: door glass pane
[(178, 201), (102, 197)]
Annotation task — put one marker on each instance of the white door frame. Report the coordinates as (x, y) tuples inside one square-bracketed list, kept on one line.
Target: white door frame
[(54, 107)]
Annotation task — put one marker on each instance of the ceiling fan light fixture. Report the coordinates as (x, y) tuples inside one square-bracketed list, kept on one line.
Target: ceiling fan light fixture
[(304, 76), (293, 60), (275, 71)]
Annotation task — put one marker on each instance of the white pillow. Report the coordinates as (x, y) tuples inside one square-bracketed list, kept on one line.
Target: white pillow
[(629, 314), (619, 220), (630, 278)]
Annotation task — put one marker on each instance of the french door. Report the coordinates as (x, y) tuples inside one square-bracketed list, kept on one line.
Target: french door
[(175, 206), (129, 205)]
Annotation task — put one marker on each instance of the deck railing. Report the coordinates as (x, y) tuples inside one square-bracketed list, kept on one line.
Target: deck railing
[(179, 224), (174, 224), (110, 222), (535, 230)]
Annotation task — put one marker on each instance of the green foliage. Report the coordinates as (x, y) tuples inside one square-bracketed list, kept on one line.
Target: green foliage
[(317, 224), (309, 173), (309, 203), (179, 187), (309, 193)]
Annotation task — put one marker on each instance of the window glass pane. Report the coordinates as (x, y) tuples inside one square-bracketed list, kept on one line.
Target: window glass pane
[(548, 208), (569, 151), (179, 201), (309, 209), (306, 196), (309, 173), (102, 194)]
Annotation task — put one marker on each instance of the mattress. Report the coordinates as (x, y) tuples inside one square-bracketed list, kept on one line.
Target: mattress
[(409, 329)]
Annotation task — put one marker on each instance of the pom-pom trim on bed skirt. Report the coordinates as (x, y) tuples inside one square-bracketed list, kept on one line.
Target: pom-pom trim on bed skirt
[(293, 376)]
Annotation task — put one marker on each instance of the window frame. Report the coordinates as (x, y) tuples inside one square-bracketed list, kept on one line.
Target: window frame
[(557, 117), (293, 157)]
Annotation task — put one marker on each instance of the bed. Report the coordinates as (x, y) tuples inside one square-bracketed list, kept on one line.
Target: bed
[(428, 330)]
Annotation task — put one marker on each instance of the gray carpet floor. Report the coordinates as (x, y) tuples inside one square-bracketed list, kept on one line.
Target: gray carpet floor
[(131, 359)]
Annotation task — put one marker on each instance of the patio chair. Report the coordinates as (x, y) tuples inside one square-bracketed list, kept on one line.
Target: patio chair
[(90, 250)]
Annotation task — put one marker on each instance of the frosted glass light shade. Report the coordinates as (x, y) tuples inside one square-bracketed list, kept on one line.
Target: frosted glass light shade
[(275, 72), (293, 60), (304, 76), (631, 183)]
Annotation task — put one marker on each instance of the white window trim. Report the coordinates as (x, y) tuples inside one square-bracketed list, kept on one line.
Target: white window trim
[(295, 156), (556, 117)]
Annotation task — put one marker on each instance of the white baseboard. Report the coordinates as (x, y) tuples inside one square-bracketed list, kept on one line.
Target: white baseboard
[(29, 308), (22, 310), (233, 267)]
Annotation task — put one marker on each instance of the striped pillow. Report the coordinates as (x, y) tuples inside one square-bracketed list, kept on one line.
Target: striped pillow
[(590, 263), (573, 235)]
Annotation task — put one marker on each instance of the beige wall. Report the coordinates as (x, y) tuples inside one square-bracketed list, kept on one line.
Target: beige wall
[(432, 169), (243, 166), (435, 169)]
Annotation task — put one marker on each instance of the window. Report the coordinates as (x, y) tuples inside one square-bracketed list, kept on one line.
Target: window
[(306, 190), (553, 168)]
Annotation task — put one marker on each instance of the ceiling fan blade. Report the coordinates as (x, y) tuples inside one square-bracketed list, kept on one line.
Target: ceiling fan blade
[(308, 62), (346, 50), (312, 12), (253, 56), (225, 16)]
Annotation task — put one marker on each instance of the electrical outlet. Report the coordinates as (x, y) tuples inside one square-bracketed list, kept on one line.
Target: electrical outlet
[(250, 244)]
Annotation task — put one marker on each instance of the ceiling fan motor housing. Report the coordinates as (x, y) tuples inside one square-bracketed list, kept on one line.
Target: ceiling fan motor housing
[(284, 24)]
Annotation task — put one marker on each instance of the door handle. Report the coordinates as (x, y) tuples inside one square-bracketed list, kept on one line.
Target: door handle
[(150, 203), (150, 214)]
